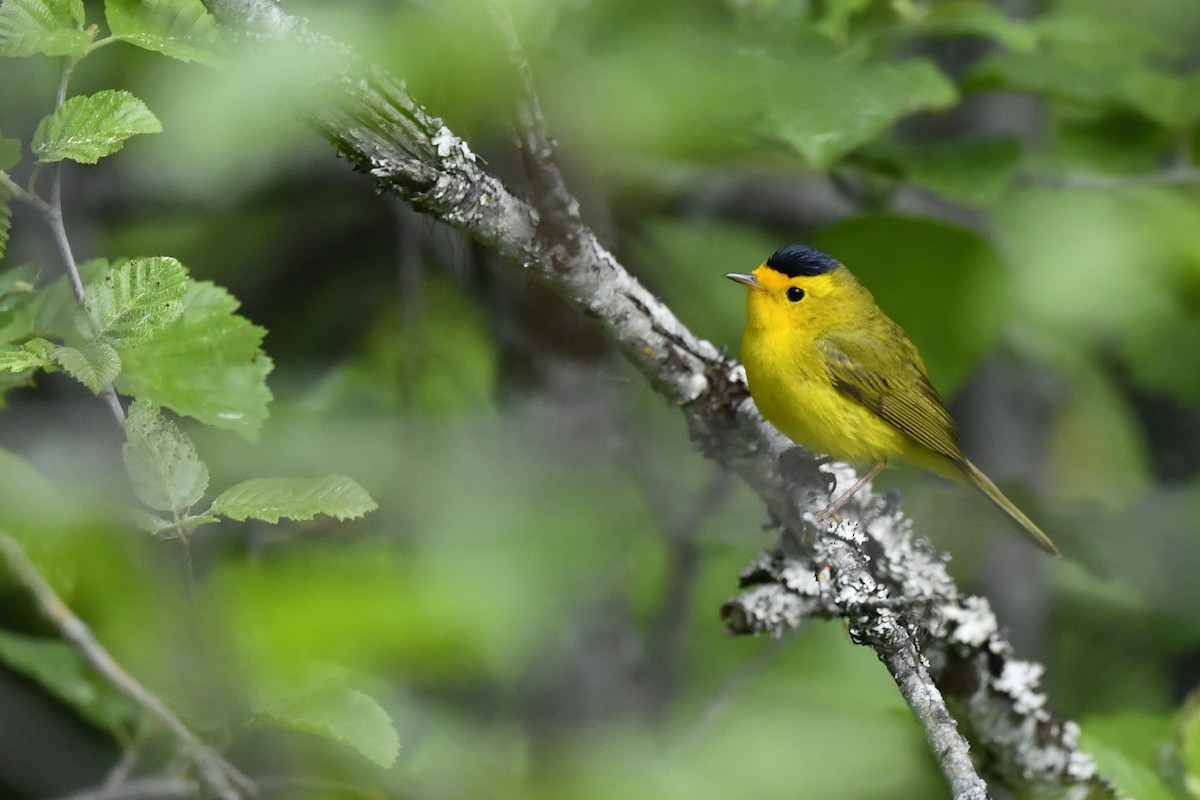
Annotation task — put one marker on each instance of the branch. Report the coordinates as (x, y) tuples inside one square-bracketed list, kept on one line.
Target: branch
[(904, 591), (845, 587), (411, 154), (218, 774)]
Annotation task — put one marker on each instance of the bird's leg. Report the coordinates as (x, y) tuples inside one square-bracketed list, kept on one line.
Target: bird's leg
[(831, 512)]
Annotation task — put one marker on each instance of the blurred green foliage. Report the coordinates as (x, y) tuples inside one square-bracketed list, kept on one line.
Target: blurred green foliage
[(532, 610)]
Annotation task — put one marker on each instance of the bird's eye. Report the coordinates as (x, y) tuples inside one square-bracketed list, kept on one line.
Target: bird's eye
[(795, 294)]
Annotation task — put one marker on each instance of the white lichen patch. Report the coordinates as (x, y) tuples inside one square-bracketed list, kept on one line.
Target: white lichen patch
[(800, 580), (850, 531), (973, 623), (1019, 681), (447, 144), (691, 386), (774, 610)]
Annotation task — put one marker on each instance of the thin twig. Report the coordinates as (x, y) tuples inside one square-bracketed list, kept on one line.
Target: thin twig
[(666, 639), (221, 776), (554, 199), (52, 214), (121, 771), (733, 686)]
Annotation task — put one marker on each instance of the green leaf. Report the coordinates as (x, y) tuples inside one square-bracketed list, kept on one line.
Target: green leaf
[(269, 499), (50, 27), (828, 108), (971, 172), (53, 310), (181, 29), (134, 300), (1188, 732), (33, 354), (62, 671), (94, 364), (208, 364), (87, 128), (161, 460), (339, 713), (1125, 746), (17, 297), (10, 152), (973, 17), (835, 22), (18, 280), (5, 218), (1170, 100)]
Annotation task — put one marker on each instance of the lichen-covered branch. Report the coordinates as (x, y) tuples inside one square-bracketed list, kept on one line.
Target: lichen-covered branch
[(904, 594), (836, 573), (411, 154)]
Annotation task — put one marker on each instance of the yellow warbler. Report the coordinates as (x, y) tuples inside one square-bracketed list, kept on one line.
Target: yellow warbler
[(835, 374)]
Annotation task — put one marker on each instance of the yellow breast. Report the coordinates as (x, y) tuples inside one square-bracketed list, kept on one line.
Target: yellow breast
[(793, 391)]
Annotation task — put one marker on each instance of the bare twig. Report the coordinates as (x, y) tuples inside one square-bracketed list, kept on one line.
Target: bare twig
[(119, 774), (52, 214), (666, 639), (554, 200), (221, 776), (412, 154)]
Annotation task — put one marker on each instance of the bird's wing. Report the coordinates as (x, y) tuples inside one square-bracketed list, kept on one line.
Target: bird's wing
[(887, 376)]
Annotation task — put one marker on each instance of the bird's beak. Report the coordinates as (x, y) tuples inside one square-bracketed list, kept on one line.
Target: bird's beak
[(748, 280)]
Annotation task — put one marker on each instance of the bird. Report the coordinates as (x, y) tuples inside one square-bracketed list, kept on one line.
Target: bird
[(829, 369)]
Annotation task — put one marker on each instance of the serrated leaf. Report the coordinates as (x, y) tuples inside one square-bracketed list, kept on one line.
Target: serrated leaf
[(94, 364), (161, 460), (53, 309), (269, 499), (33, 354), (50, 27), (10, 152), (5, 218), (828, 108), (208, 364), (18, 280), (62, 671), (134, 300), (180, 29), (342, 714), (87, 128)]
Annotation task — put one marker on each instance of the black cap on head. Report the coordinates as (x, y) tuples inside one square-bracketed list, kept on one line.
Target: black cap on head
[(795, 260)]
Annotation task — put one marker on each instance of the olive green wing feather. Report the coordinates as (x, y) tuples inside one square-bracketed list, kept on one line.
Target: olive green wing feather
[(886, 375)]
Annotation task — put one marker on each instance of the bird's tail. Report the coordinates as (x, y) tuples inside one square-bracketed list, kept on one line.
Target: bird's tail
[(1027, 526)]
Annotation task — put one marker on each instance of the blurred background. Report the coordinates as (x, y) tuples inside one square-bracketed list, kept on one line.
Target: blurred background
[(532, 611)]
